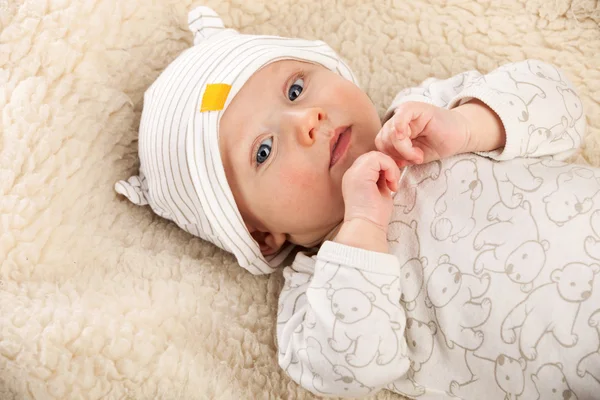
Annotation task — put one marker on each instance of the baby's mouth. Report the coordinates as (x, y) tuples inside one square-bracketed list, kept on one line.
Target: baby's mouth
[(339, 144)]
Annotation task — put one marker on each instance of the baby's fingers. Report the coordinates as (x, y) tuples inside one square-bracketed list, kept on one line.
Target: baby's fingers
[(406, 150), (388, 142), (389, 170), (400, 146), (413, 114), (384, 144)]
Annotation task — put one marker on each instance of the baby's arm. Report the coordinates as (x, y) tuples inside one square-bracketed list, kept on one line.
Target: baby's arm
[(538, 107), (337, 333)]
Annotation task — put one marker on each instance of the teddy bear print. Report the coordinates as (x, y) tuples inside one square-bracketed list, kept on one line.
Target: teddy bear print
[(473, 79), (294, 288), (407, 386), (406, 197), (514, 94), (404, 240), (551, 308), (419, 93), (408, 285), (508, 372), (454, 208), (328, 273), (519, 109), (590, 364), (505, 80), (467, 79), (539, 136), (574, 195), (419, 338), (360, 323), (572, 104), (310, 319), (545, 71), (551, 383), (592, 243), (529, 90), (513, 175), (287, 308), (511, 245), (453, 296), (443, 91), (320, 367), (510, 375)]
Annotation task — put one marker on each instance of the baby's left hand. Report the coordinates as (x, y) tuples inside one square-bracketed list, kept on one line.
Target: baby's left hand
[(420, 132)]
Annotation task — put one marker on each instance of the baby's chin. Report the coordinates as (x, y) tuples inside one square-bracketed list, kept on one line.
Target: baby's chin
[(317, 238)]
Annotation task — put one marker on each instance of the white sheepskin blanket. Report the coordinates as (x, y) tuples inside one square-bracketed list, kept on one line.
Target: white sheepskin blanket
[(100, 299)]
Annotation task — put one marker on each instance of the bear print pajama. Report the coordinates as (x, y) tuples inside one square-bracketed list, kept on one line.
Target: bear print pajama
[(492, 287)]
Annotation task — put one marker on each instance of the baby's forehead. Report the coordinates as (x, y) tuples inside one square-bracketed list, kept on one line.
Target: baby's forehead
[(253, 97)]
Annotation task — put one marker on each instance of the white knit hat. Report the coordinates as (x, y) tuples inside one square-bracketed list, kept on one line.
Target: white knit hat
[(181, 173)]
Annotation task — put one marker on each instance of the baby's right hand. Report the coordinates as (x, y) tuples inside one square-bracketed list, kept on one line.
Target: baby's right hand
[(366, 187), (420, 132)]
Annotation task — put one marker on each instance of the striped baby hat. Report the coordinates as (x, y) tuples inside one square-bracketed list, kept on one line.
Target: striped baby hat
[(181, 174)]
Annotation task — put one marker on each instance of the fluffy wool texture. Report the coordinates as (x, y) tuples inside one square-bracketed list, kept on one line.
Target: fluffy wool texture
[(102, 299)]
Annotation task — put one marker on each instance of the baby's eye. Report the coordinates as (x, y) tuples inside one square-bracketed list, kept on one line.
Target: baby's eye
[(296, 89), (264, 151)]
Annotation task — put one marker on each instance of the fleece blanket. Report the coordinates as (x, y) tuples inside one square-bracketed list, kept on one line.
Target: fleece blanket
[(100, 299)]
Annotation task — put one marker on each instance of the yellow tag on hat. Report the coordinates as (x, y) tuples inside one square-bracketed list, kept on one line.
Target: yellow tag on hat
[(215, 96)]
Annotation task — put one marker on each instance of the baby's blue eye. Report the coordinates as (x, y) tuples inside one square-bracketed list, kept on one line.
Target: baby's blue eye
[(296, 89), (264, 151)]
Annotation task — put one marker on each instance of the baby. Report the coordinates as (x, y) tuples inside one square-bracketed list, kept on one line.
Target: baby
[(472, 274)]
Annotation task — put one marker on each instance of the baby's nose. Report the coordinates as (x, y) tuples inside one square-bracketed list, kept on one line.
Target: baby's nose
[(306, 135), (306, 123)]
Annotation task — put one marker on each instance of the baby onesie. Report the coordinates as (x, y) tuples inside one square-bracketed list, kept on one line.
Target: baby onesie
[(491, 290)]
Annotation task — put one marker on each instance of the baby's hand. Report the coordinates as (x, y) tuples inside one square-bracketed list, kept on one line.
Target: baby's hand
[(368, 203), (421, 132)]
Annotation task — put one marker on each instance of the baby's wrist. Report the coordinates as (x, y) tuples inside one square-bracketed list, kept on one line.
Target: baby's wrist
[(485, 130), (363, 234)]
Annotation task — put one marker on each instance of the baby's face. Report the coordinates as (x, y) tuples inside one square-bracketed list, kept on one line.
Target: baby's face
[(276, 141)]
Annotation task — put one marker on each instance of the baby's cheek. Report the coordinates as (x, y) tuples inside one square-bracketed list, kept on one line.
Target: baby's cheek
[(298, 178)]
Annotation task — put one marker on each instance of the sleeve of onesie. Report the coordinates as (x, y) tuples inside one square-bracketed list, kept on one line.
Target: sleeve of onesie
[(340, 325), (541, 112)]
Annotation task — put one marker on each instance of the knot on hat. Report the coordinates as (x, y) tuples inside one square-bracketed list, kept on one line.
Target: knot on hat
[(204, 22), (134, 189)]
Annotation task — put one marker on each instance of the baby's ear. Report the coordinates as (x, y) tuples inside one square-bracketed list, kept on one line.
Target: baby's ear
[(556, 275), (269, 243), (204, 22)]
